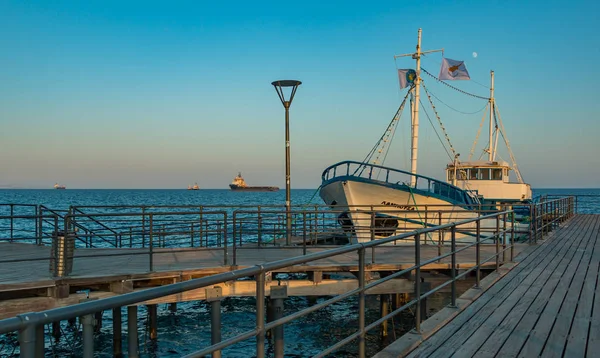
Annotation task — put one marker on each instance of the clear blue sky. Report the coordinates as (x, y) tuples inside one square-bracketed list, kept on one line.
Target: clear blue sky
[(162, 95)]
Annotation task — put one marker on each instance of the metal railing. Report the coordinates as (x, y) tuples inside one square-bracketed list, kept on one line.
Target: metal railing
[(29, 325)]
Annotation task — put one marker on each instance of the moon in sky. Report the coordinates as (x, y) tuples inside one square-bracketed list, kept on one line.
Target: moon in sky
[(474, 54)]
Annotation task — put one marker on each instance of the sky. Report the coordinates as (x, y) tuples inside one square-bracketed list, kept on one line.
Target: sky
[(165, 94)]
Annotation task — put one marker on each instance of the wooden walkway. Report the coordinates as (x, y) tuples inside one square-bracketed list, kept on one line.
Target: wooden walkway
[(548, 305)]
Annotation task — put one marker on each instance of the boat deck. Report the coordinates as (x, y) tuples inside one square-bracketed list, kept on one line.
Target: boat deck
[(548, 305)]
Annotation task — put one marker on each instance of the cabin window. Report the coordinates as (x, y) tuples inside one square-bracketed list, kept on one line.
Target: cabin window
[(497, 174), (505, 172), (461, 174), (485, 174), (473, 174), (450, 175)]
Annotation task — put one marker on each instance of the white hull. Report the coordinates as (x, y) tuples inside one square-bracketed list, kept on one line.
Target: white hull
[(405, 206)]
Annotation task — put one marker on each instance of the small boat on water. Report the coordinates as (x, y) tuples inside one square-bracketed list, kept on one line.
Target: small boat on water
[(58, 186), (239, 184), (195, 187)]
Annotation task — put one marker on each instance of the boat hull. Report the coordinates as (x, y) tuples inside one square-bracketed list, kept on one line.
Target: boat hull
[(371, 210), (234, 187)]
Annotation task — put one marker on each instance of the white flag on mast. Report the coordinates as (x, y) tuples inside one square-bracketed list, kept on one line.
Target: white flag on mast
[(406, 77), (453, 70)]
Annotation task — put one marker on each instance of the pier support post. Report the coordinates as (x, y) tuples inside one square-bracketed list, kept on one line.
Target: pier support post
[(383, 308), (98, 323), (56, 330), (214, 295), (88, 336), (39, 340), (117, 336), (173, 307), (278, 294), (152, 312), (132, 332), (269, 332)]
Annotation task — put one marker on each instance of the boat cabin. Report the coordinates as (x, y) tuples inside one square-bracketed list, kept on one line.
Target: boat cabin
[(490, 179)]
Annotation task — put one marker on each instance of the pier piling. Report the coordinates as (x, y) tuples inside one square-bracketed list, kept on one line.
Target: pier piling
[(278, 294), (152, 313), (88, 335), (214, 296), (117, 336), (132, 332)]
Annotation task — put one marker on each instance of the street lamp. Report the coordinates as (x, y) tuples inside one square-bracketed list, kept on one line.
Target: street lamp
[(279, 86)]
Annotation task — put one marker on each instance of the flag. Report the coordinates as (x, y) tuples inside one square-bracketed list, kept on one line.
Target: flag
[(453, 70), (406, 77)]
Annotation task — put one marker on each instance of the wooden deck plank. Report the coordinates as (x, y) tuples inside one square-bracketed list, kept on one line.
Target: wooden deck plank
[(579, 298), (593, 344), (538, 336), (512, 326), (448, 336), (580, 328), (491, 327)]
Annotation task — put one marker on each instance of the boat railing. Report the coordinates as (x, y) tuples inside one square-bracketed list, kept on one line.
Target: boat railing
[(391, 176)]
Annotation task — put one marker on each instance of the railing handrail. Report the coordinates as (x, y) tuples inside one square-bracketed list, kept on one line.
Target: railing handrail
[(82, 309)]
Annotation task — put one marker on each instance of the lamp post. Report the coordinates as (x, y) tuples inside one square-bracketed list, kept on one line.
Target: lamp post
[(279, 86)]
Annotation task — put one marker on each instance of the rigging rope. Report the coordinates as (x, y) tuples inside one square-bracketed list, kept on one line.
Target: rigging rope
[(454, 109), (510, 153), (436, 133), (440, 122), (478, 132), (381, 143), (454, 88)]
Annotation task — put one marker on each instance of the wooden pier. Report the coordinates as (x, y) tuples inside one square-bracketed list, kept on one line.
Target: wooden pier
[(547, 305), (28, 285)]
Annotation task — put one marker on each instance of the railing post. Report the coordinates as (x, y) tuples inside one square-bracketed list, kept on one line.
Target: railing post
[(259, 223), (478, 254), (143, 226), (512, 238), (151, 251), (497, 239), (504, 218), (28, 335), (40, 226), (12, 212), (418, 282), (304, 232), (361, 302), (453, 271), (225, 247), (260, 315)]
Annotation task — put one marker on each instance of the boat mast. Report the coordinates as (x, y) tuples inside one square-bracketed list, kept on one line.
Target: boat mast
[(491, 150), (415, 108)]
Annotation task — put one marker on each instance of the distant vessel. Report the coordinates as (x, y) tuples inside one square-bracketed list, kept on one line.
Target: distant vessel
[(239, 184), (195, 187), (57, 186)]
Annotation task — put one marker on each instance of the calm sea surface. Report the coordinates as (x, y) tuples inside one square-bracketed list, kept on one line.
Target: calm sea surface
[(188, 329)]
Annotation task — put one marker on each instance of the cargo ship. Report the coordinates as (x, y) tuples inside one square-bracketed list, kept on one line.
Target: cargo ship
[(239, 184)]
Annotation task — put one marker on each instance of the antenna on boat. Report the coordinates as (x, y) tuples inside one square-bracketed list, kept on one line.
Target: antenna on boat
[(415, 108), (491, 151)]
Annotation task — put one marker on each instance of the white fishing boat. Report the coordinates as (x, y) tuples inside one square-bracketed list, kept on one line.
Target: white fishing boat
[(378, 201)]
